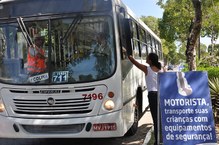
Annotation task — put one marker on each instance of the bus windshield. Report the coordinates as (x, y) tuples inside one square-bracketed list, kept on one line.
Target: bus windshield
[(62, 50)]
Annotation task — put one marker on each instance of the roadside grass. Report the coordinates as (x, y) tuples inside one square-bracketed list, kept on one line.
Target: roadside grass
[(151, 141)]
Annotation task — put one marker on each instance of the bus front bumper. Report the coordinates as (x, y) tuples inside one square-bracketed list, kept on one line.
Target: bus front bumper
[(103, 126)]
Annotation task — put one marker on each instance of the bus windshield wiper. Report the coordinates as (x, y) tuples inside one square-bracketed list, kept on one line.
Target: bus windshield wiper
[(24, 31), (73, 25)]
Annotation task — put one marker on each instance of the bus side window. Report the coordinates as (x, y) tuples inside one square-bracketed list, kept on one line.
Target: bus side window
[(154, 45), (149, 44), (128, 35), (2, 49), (135, 40), (121, 24), (143, 44)]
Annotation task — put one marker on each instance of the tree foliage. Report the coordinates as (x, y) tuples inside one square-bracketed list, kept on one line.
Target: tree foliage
[(170, 52), (152, 23), (210, 26), (213, 50), (177, 21), (169, 49), (178, 17)]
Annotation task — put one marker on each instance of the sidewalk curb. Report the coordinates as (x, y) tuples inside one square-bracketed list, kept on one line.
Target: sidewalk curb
[(148, 136)]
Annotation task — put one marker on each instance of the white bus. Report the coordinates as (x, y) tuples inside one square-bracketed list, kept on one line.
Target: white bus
[(81, 93)]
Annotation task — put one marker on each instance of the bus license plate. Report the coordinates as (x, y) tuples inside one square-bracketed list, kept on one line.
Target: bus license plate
[(104, 127)]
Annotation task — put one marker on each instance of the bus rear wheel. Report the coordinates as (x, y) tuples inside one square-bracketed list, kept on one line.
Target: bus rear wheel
[(132, 131)]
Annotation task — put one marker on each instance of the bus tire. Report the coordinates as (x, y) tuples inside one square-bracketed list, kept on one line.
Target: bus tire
[(132, 131), (139, 102)]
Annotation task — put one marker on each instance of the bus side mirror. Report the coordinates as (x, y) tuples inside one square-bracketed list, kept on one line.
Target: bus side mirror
[(128, 35)]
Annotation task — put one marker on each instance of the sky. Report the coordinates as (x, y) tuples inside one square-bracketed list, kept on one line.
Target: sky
[(149, 8), (144, 8)]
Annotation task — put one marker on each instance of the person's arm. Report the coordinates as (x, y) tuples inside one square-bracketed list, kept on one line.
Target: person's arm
[(138, 65), (34, 51), (164, 68)]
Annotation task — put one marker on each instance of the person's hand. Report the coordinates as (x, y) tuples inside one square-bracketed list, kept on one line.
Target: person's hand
[(130, 57)]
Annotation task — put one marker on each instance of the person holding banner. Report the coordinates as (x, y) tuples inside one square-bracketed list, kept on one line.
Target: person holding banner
[(151, 73)]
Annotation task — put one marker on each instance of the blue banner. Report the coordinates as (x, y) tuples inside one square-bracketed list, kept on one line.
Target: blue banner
[(186, 109)]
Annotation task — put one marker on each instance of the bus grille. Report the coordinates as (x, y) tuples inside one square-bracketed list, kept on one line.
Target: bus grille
[(74, 128), (52, 106)]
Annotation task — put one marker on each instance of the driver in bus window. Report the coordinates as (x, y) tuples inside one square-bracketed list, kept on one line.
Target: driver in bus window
[(36, 56), (102, 52), (102, 47)]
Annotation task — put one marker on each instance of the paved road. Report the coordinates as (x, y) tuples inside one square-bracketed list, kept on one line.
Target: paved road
[(138, 139)]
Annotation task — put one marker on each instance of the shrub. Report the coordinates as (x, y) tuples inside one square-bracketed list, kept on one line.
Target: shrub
[(213, 72), (214, 90)]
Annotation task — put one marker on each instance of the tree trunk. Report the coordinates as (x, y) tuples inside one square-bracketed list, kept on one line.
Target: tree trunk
[(194, 34)]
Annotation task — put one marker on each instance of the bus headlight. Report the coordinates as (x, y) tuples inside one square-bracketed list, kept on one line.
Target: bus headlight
[(2, 106), (109, 105)]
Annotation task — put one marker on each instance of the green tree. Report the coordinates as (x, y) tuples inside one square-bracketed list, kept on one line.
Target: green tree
[(210, 26), (176, 20), (194, 35), (181, 23), (203, 50), (152, 23), (169, 48), (180, 15), (213, 49), (170, 52)]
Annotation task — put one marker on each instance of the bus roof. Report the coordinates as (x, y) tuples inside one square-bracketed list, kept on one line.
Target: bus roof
[(10, 9)]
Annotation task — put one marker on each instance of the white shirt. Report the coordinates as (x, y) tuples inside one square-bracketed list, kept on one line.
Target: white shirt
[(151, 79)]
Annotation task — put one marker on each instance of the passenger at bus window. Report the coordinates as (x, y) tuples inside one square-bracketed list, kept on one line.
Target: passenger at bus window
[(151, 73), (101, 47), (36, 56)]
